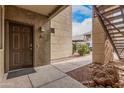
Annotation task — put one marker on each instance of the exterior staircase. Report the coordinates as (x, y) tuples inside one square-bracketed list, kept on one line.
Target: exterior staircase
[(111, 18)]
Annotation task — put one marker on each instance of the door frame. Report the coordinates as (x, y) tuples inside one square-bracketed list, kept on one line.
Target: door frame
[(7, 43)]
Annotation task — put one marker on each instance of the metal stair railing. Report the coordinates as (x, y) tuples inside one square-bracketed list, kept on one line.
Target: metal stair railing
[(97, 11), (106, 30)]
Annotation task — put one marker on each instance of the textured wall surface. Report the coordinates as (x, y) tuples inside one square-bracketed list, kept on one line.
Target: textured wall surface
[(0, 27), (98, 42), (102, 49), (61, 40), (1, 64), (2, 43), (41, 53), (108, 52)]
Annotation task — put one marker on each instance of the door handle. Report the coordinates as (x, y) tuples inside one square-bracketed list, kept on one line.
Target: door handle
[(30, 45), (30, 48)]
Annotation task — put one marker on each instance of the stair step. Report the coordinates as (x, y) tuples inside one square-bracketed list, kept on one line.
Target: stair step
[(117, 36), (116, 23), (116, 29), (110, 12), (118, 40), (103, 7), (115, 33), (113, 18), (112, 26), (119, 48)]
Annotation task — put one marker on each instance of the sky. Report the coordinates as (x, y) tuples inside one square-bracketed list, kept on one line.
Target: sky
[(81, 19)]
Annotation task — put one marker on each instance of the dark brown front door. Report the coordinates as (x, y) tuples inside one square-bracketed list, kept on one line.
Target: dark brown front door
[(20, 41)]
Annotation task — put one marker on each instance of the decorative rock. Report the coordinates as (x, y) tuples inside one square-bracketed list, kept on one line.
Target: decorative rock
[(89, 83), (92, 83), (108, 87), (85, 83), (100, 86), (116, 85), (102, 76), (105, 75), (100, 81)]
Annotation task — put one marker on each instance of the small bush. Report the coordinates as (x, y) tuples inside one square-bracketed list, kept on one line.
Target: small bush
[(74, 48), (83, 49)]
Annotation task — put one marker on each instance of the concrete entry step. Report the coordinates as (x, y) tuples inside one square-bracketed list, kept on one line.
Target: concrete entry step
[(49, 76)]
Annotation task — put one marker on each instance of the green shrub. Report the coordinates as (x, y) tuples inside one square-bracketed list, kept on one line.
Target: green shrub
[(83, 49), (74, 48)]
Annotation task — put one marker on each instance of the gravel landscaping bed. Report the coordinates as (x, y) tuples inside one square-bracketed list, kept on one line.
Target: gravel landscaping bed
[(97, 75)]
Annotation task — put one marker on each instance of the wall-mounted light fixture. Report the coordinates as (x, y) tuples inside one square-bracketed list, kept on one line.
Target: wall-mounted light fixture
[(41, 29)]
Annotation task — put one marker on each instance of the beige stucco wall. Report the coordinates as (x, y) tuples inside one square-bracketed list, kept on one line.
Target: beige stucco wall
[(108, 52), (98, 41), (41, 52), (1, 64), (61, 40), (0, 27), (2, 43), (102, 48)]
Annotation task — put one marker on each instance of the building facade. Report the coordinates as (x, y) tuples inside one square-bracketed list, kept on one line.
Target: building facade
[(25, 35), (61, 39)]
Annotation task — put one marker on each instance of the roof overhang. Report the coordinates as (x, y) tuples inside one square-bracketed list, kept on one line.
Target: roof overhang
[(47, 10)]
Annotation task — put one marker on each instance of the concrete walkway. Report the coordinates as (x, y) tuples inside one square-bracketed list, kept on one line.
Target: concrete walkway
[(49, 76), (73, 63)]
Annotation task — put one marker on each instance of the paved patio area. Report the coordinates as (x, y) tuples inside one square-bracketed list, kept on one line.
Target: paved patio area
[(73, 63), (49, 76)]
